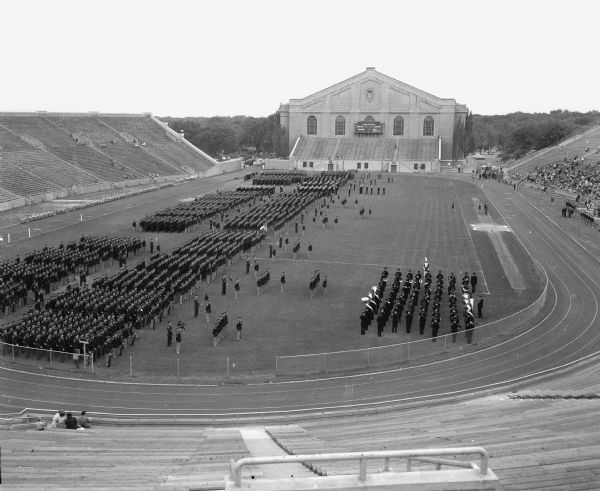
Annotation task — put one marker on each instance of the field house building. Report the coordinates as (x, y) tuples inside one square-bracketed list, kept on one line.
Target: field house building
[(373, 122)]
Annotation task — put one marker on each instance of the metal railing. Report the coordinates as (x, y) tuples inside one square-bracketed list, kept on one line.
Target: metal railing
[(424, 455), (403, 352), (51, 358)]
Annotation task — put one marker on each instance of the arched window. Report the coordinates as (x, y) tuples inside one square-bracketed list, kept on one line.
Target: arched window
[(340, 125), (369, 119), (398, 125), (311, 125), (428, 126)]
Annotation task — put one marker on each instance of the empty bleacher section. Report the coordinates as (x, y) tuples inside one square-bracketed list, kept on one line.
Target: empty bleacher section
[(374, 148), (92, 130), (6, 195), (62, 144), (45, 153), (138, 457), (23, 183), (523, 453), (49, 168), (155, 140)]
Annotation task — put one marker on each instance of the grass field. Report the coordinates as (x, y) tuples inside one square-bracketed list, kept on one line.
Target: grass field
[(413, 220)]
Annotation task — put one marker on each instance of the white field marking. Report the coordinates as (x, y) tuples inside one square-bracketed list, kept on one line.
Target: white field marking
[(468, 229), (490, 227)]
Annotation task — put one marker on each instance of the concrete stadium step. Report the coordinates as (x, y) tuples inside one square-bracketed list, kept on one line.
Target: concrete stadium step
[(525, 438)]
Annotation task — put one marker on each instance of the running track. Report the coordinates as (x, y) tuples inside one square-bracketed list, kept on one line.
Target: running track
[(566, 331)]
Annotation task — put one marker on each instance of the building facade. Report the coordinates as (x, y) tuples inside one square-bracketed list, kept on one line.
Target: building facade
[(374, 105)]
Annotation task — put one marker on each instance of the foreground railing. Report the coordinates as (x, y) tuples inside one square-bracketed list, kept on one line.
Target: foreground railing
[(426, 455)]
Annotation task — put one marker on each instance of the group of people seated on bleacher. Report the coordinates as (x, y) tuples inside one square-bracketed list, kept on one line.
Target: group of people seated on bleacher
[(571, 175), (70, 422)]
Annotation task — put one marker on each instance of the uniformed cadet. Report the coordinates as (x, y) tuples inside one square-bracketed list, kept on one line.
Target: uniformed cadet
[(169, 334), (238, 329), (473, 282), (178, 341), (196, 306), (208, 310)]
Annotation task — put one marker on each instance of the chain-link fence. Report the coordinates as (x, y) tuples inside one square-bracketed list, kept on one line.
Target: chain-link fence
[(379, 356)]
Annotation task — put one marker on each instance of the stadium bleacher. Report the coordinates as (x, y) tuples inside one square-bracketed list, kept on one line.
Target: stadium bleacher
[(23, 183), (533, 444), (586, 144), (61, 144), (138, 457), (47, 167), (362, 148), (112, 144), (6, 195), (542, 444), (56, 152), (155, 140)]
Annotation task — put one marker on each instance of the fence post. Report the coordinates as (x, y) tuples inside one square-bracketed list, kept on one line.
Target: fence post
[(177, 367), (368, 357), (362, 469), (408, 351), (130, 367), (50, 358), (445, 343), (227, 367), (9, 237), (323, 361), (276, 366), (29, 232), (13, 352)]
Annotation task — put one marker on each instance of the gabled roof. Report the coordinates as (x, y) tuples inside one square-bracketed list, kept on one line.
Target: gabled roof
[(371, 72)]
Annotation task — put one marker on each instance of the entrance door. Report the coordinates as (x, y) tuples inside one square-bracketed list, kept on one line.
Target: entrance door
[(329, 166), (394, 167)]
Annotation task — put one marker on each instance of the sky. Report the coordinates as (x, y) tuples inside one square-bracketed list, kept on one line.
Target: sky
[(237, 57)]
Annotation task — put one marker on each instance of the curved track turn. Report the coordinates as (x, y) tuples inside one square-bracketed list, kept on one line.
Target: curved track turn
[(567, 331)]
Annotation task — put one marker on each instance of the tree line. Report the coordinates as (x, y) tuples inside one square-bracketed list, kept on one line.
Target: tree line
[(226, 135), (513, 135)]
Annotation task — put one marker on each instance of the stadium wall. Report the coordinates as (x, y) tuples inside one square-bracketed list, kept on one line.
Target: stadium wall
[(411, 167), (279, 164), (224, 167), (13, 203)]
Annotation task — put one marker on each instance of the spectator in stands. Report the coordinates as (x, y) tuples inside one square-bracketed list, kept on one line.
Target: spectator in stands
[(58, 421), (70, 422)]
